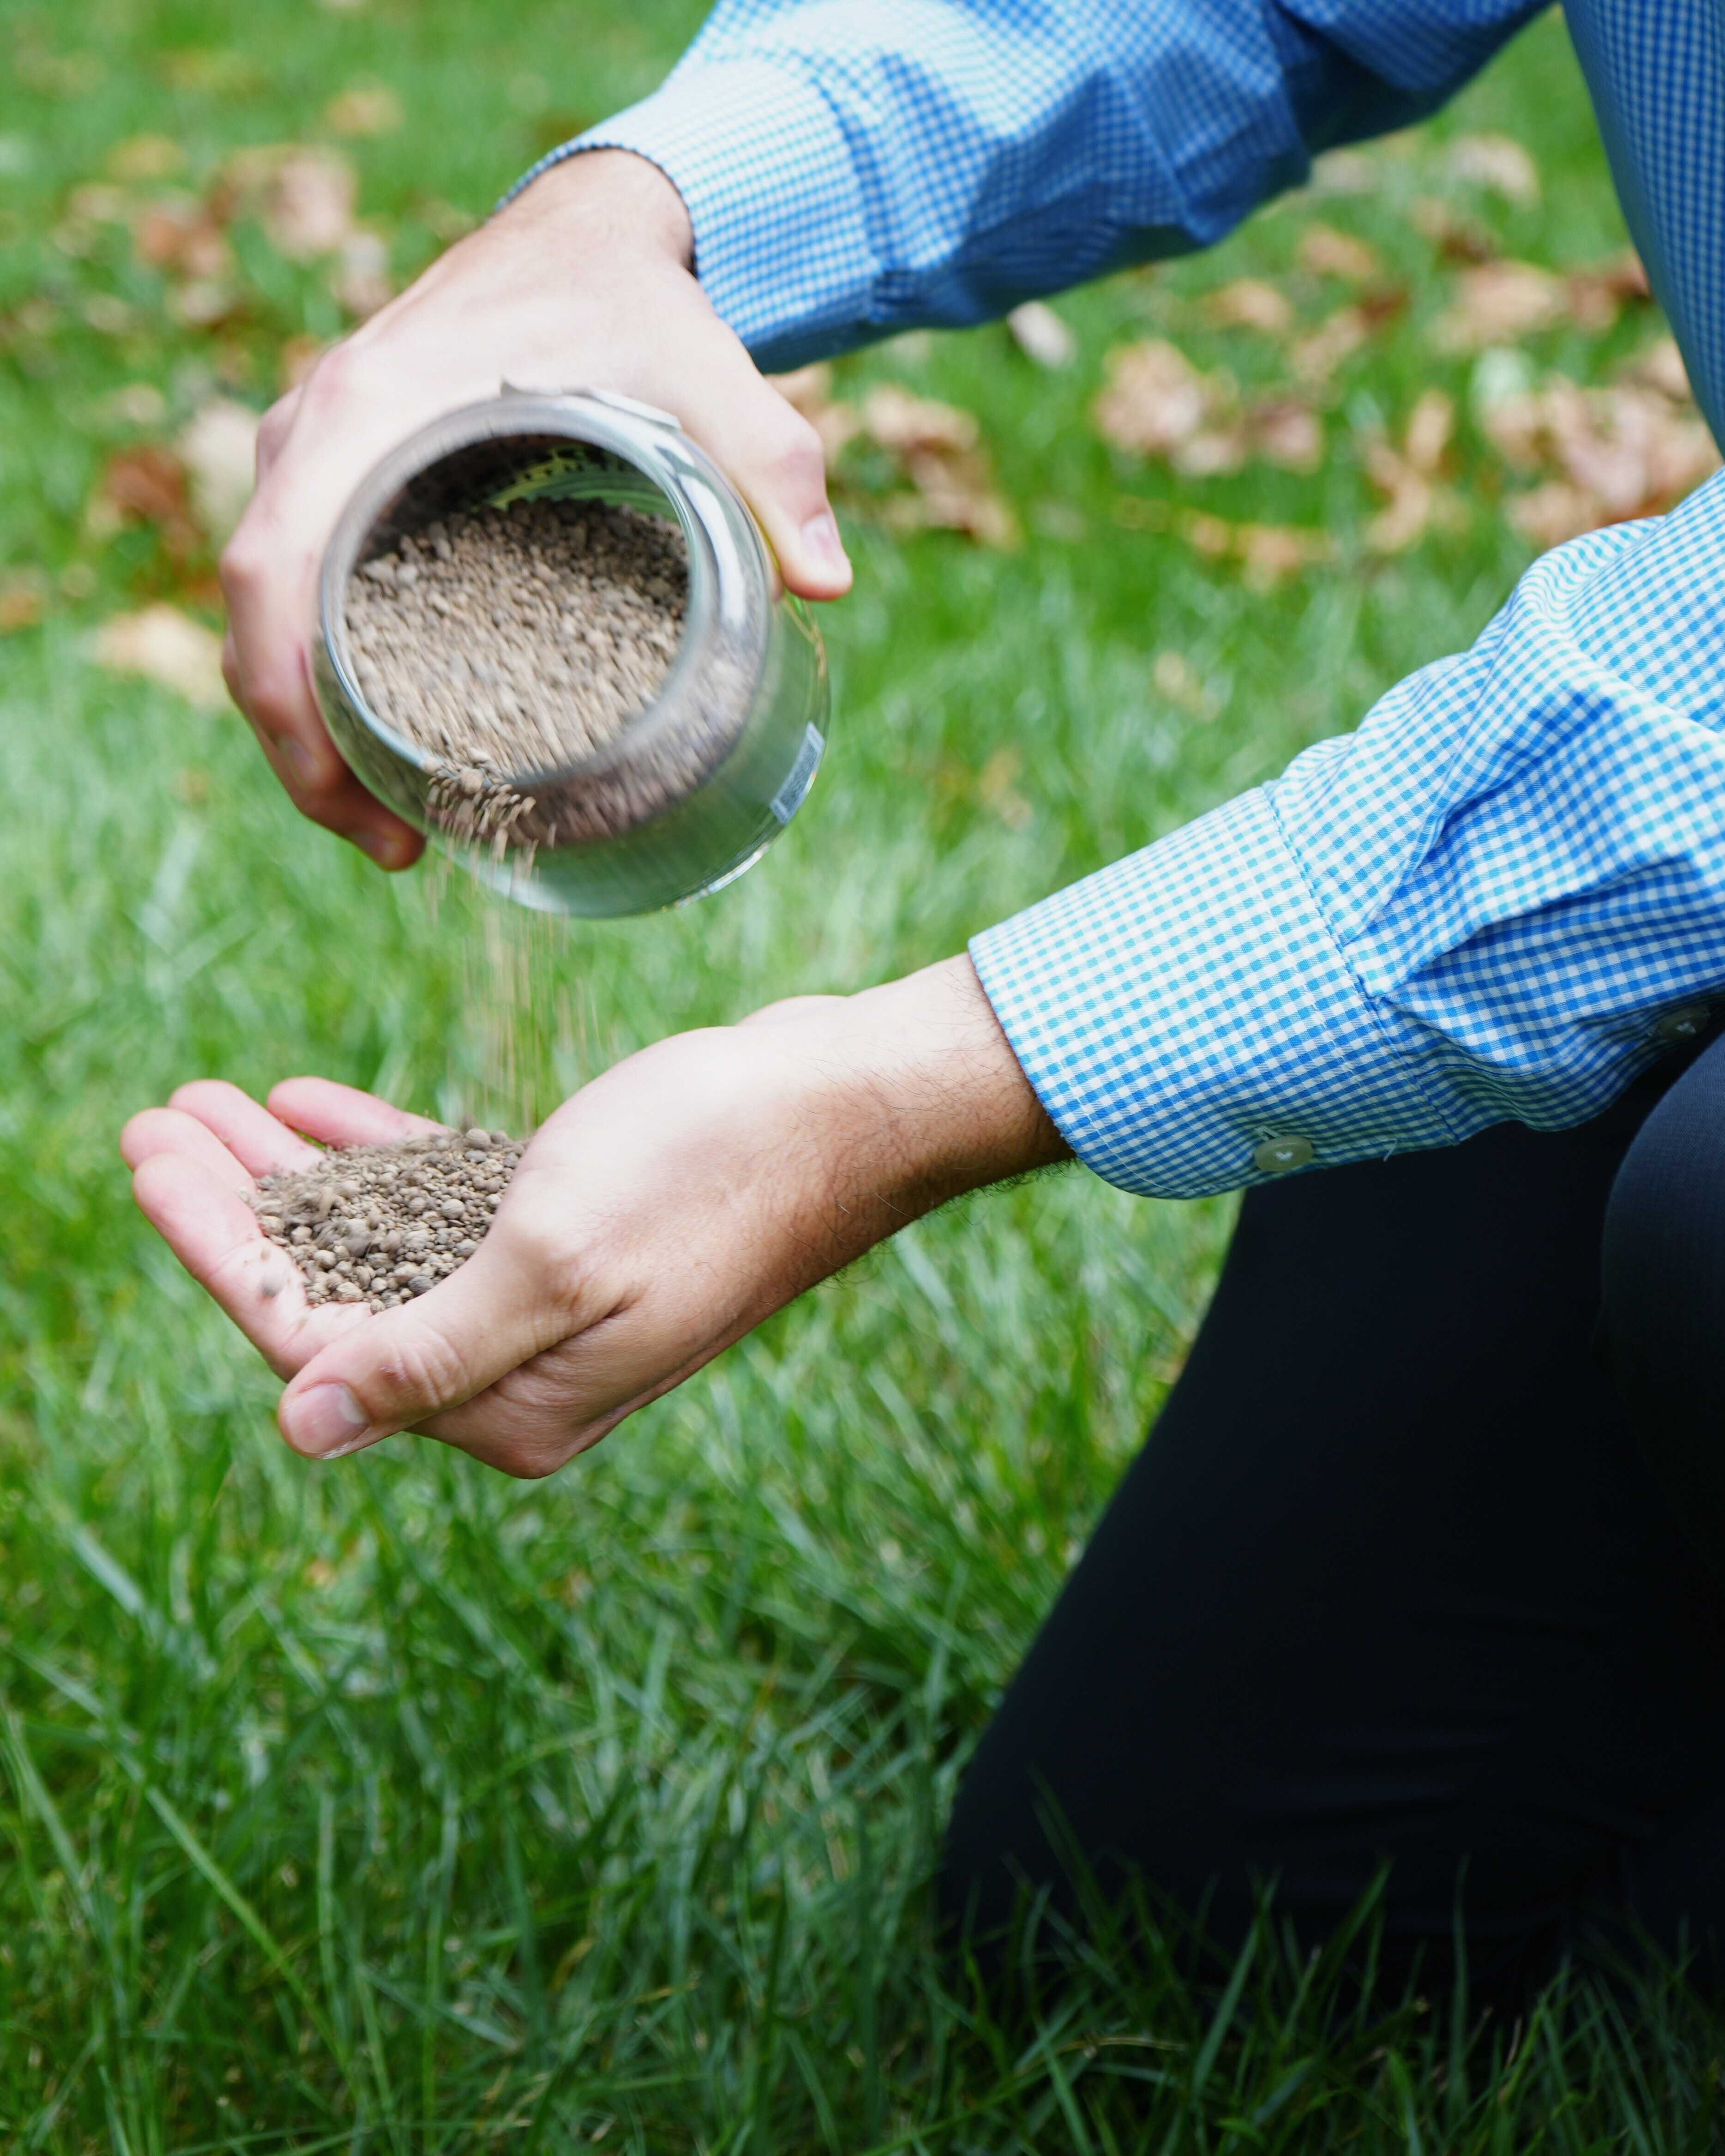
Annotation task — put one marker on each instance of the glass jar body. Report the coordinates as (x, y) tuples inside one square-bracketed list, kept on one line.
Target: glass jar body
[(700, 780)]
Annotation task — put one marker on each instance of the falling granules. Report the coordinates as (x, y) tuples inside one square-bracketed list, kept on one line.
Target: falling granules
[(379, 1225), (510, 641)]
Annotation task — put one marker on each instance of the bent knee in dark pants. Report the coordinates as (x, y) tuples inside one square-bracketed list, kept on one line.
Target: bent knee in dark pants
[(1391, 1583)]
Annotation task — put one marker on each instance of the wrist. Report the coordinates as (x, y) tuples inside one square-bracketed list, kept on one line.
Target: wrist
[(930, 1058), (603, 195)]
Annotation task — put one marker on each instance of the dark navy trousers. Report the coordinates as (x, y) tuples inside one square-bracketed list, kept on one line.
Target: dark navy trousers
[(1422, 1564)]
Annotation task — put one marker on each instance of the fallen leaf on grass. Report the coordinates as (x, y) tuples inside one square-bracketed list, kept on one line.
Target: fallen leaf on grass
[(366, 109), (180, 234), (1266, 554), (161, 644), (1250, 303), (1497, 162), (1287, 431), (1502, 302), (1327, 253), (1457, 238), (1040, 334), (305, 195), (146, 484), (939, 449), (360, 280), (1660, 367), (1156, 403), (309, 204), (219, 451), (936, 447), (23, 600), (1407, 475), (1499, 303), (1317, 356)]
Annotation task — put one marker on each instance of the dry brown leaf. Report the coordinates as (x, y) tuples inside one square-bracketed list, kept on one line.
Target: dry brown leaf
[(204, 303), (366, 109), (360, 279), (1457, 239), (178, 234), (1430, 425), (1599, 293), (1265, 553), (161, 644), (1499, 303), (146, 485), (306, 196), (1327, 253), (1496, 161), (1154, 400), (1040, 334), (1251, 303), (936, 447), (1625, 449), (1660, 367), (219, 451), (309, 204), (1287, 431), (1408, 476), (1316, 357), (23, 600), (906, 424), (1551, 515)]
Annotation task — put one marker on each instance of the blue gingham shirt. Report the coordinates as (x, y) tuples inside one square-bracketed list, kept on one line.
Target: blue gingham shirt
[(1503, 894)]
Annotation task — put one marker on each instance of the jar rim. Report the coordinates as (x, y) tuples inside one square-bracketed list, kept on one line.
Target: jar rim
[(652, 444)]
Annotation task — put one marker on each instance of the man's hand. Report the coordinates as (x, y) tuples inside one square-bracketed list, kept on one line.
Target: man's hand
[(657, 1217), (583, 281)]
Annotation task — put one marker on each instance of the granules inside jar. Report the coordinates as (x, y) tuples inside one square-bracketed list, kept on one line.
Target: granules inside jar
[(507, 641)]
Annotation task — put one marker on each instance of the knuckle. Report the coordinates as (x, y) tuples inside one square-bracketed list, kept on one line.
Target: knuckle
[(274, 427), (425, 1371)]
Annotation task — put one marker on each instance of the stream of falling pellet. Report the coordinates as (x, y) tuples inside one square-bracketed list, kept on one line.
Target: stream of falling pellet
[(522, 1040)]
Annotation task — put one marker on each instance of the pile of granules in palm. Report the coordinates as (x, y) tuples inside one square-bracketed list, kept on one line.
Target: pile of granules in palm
[(520, 639), (379, 1225)]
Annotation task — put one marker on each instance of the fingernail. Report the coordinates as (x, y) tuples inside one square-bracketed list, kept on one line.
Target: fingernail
[(824, 547), (381, 849), (296, 756), (324, 1422)]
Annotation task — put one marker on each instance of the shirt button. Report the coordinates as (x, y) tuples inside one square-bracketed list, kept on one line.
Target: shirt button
[(1276, 1156), (1686, 1022)]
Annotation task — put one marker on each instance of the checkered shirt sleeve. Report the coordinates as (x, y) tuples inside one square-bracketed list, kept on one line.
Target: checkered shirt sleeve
[(1488, 902), (1504, 894), (854, 167)]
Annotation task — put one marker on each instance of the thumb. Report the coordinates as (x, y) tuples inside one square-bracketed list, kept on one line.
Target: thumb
[(775, 457), (408, 1363)]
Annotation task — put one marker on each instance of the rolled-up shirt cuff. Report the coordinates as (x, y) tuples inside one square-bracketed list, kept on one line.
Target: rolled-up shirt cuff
[(780, 234), (1189, 1023)]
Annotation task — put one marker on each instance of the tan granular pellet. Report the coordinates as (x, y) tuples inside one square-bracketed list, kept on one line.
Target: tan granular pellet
[(510, 641), (379, 1225)]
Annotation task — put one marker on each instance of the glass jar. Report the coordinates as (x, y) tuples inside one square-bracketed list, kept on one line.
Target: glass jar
[(701, 779)]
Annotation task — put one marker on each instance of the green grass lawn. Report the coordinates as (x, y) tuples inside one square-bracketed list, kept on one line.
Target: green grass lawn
[(398, 1807)]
